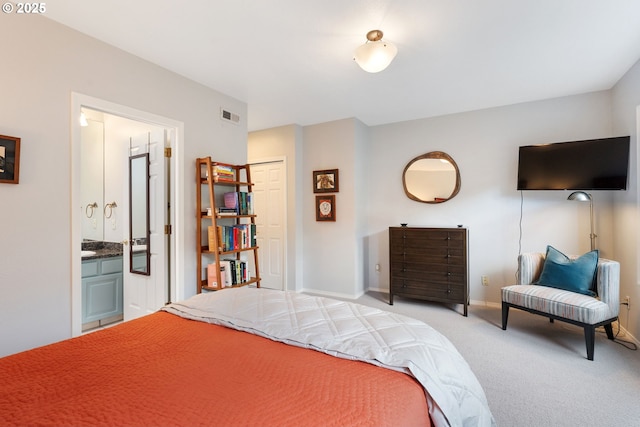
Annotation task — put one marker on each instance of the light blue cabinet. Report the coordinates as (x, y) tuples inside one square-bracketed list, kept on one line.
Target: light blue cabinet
[(101, 288)]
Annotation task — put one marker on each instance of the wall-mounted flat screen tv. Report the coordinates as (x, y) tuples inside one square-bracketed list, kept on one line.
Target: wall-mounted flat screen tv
[(595, 164)]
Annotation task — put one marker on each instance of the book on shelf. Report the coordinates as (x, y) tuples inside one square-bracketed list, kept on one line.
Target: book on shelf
[(225, 272), (211, 239), (212, 276), (224, 173), (241, 201), (237, 271), (235, 237), (215, 281)]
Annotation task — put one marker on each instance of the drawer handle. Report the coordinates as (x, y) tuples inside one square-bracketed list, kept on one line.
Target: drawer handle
[(448, 273)]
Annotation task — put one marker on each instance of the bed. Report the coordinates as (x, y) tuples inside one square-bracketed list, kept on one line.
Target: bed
[(247, 357)]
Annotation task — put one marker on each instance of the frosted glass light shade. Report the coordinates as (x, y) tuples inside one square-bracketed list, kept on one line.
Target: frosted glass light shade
[(375, 56)]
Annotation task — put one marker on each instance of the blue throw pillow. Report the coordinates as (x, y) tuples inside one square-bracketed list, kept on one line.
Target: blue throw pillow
[(559, 271)]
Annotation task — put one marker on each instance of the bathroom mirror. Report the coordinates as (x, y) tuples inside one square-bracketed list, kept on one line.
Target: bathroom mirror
[(139, 250), (431, 178), (92, 180)]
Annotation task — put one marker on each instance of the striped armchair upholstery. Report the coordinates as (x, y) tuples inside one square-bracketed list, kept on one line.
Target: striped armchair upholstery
[(582, 310)]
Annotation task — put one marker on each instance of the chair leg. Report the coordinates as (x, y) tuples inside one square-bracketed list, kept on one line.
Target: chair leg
[(505, 315), (609, 330), (590, 339)]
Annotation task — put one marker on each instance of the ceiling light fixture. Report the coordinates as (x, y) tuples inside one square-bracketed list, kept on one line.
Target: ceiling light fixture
[(376, 54)]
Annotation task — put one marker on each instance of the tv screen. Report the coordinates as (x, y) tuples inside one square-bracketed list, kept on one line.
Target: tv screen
[(595, 164)]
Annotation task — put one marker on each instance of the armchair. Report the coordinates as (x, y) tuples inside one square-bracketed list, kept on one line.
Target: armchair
[(585, 311)]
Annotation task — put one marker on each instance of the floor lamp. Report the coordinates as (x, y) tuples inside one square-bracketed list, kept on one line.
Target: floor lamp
[(581, 196)]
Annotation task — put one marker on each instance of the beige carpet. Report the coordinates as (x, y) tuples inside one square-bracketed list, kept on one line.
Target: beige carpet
[(536, 373)]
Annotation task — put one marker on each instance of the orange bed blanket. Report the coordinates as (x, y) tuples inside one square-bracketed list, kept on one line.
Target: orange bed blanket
[(163, 370)]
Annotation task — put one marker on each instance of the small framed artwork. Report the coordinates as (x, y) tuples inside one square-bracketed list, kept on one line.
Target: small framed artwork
[(326, 208), (9, 159), (325, 181)]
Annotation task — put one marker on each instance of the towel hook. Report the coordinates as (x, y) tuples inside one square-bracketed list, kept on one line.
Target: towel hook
[(88, 211), (110, 206)]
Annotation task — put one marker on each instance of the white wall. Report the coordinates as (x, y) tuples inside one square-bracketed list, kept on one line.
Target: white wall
[(43, 64), (626, 119)]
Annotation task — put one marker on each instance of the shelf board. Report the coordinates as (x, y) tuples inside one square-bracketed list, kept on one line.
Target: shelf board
[(205, 250), (249, 282), (205, 181), (227, 216)]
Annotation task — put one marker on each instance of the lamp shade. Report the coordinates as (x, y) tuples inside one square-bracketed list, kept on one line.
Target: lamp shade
[(376, 54), (579, 196)]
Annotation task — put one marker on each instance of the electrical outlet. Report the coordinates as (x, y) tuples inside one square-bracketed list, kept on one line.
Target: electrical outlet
[(485, 280), (377, 267)]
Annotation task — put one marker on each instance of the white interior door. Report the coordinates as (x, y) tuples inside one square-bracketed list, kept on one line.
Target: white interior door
[(146, 294), (269, 206)]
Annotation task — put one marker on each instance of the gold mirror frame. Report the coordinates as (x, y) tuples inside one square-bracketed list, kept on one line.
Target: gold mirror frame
[(437, 155)]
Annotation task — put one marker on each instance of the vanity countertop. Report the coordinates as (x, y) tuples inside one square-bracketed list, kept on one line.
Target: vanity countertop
[(102, 250)]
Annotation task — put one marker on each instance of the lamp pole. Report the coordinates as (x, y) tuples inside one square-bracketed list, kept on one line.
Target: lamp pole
[(592, 236), (581, 196)]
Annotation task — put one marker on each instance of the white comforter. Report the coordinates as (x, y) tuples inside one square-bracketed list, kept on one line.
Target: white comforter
[(353, 331)]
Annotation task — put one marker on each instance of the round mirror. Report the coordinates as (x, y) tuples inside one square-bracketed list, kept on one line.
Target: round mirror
[(431, 178)]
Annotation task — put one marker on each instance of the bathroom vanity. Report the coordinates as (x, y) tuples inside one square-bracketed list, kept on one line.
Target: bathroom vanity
[(101, 286)]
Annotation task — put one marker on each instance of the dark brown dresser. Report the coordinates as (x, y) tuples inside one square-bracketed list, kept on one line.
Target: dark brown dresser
[(429, 264)]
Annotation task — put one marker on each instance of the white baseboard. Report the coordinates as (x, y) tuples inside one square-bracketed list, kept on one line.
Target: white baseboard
[(624, 334)]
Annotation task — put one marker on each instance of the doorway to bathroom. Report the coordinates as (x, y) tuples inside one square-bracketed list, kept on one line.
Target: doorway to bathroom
[(126, 133)]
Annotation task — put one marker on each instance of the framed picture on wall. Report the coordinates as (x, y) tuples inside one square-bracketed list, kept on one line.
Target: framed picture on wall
[(325, 181), (326, 208), (9, 159)]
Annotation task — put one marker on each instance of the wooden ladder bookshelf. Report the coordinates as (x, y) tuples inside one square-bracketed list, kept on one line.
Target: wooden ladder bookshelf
[(226, 236)]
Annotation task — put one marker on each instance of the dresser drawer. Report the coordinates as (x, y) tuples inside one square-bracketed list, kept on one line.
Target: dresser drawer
[(437, 272), (427, 259), (429, 237), (436, 291)]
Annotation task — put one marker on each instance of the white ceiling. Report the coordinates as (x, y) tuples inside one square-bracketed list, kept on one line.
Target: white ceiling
[(291, 60)]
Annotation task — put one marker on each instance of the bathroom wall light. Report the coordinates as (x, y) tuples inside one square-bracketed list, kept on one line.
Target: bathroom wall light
[(376, 54)]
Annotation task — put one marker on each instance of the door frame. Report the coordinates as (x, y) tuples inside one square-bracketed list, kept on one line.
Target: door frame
[(175, 263)]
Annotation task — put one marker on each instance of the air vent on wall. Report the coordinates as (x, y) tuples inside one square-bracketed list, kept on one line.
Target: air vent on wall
[(228, 116)]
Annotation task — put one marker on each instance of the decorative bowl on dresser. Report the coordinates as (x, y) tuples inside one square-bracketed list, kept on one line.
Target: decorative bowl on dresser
[(429, 264)]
